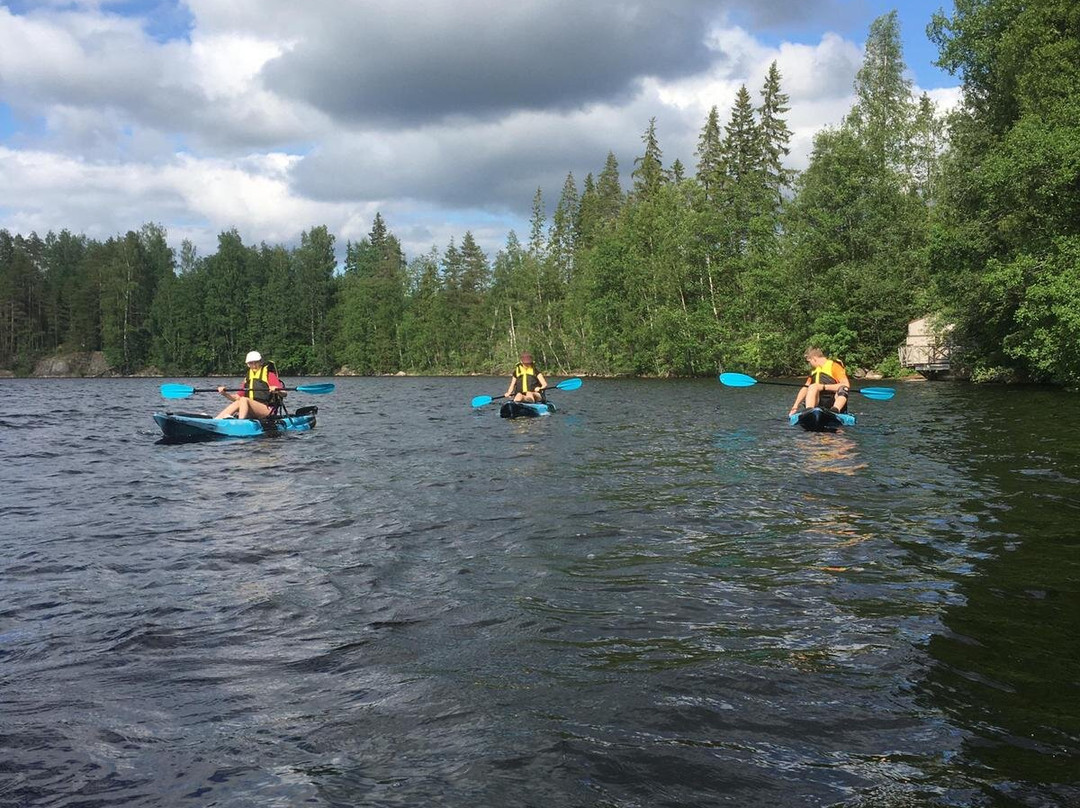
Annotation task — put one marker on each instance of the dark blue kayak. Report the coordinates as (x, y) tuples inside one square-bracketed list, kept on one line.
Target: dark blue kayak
[(189, 426), (522, 409), (819, 420)]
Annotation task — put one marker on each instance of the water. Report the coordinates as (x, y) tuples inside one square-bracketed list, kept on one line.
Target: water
[(660, 596)]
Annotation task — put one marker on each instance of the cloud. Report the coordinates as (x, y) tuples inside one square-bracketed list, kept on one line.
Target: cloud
[(110, 71), (205, 195), (272, 116), (401, 64)]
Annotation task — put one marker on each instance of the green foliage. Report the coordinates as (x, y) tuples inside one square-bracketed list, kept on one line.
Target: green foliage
[(834, 335), (1010, 209), (1047, 337)]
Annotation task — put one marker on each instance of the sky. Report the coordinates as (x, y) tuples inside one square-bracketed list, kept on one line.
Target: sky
[(445, 116)]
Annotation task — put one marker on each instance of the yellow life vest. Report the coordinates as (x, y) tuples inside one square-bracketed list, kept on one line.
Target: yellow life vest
[(523, 374), (824, 374), (257, 385)]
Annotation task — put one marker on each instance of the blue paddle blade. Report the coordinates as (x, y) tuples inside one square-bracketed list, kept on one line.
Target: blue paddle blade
[(482, 401), (315, 389), (176, 390), (877, 393), (737, 380), (569, 384)]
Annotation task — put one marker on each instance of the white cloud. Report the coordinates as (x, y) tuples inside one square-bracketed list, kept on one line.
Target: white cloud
[(104, 198), (256, 119)]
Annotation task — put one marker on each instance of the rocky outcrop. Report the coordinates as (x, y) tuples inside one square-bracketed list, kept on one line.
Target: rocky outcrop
[(86, 364)]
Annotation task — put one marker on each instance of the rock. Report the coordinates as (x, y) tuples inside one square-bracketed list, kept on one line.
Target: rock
[(96, 365), (82, 363), (52, 366)]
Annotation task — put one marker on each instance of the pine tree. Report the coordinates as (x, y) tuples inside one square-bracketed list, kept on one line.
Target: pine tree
[(561, 237), (884, 108), (649, 173), (742, 141), (587, 224), (314, 264), (609, 190), (710, 166), (775, 135)]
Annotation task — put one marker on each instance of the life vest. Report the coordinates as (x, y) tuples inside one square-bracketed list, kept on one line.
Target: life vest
[(257, 385), (526, 378), (825, 374)]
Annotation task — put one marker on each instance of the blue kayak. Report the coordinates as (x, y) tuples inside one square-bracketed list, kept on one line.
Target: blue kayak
[(819, 420), (189, 426), (523, 409)]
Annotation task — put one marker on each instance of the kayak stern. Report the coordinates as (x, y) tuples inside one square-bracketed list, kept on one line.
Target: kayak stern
[(522, 409), (821, 420)]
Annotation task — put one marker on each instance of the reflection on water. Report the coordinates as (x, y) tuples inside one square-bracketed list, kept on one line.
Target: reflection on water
[(833, 453), (1005, 664)]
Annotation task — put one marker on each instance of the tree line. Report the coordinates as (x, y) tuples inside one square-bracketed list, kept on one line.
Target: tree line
[(733, 263)]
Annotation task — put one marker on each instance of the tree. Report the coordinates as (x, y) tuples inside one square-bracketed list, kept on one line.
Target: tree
[(774, 136), (372, 302), (710, 153), (649, 173), (609, 190), (857, 233), (884, 108), (313, 271), (562, 236), (1009, 215)]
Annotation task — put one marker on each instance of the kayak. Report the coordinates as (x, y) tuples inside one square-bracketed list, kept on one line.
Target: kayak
[(190, 426), (819, 420), (523, 409)]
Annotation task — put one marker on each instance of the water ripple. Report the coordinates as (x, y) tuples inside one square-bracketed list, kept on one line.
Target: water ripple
[(660, 595)]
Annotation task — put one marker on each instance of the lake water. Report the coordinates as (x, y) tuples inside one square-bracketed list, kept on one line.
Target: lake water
[(662, 595)]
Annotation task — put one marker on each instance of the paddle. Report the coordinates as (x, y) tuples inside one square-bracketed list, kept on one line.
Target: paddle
[(742, 380), (183, 390), (567, 384)]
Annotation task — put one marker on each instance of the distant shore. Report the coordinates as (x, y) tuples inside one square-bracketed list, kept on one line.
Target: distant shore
[(93, 365)]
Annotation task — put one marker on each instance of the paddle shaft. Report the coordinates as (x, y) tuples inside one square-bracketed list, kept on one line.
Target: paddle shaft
[(183, 390), (876, 393), (742, 380), (566, 384)]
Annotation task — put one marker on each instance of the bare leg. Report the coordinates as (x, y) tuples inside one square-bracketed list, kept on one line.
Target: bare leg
[(250, 408), (230, 409)]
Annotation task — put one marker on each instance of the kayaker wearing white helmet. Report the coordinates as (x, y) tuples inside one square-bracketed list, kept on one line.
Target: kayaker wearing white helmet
[(262, 388)]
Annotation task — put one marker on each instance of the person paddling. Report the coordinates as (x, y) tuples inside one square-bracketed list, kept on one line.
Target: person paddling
[(260, 394), (827, 385), (527, 383)]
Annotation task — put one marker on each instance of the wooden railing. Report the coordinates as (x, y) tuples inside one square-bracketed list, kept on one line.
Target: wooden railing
[(925, 357)]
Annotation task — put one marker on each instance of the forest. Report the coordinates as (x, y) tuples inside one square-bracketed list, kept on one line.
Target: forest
[(659, 269)]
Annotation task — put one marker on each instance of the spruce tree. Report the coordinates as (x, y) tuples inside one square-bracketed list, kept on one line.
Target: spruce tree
[(649, 172)]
